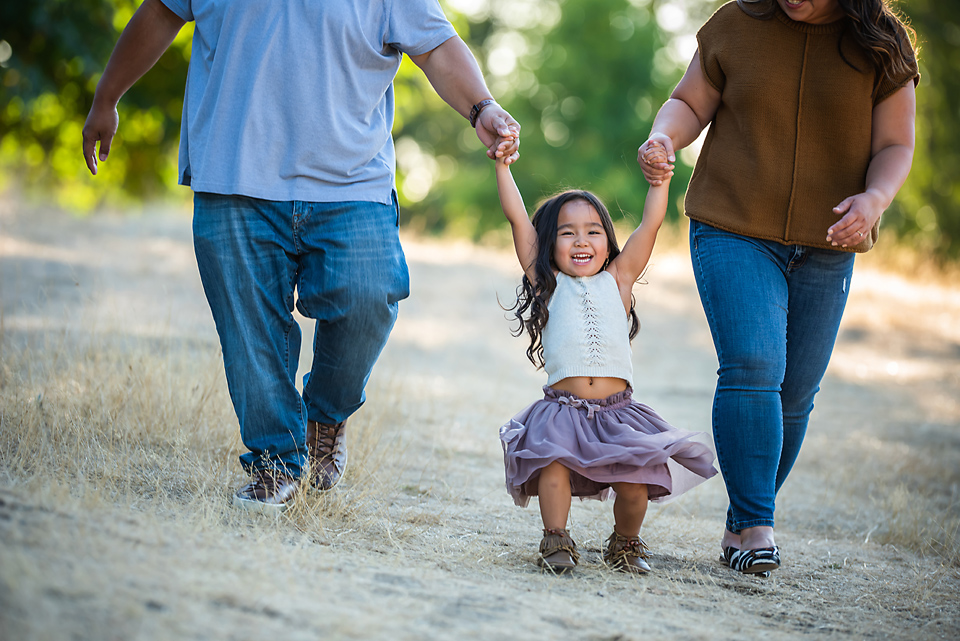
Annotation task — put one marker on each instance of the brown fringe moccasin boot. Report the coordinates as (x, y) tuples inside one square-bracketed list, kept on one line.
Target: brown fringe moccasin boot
[(627, 554), (558, 552)]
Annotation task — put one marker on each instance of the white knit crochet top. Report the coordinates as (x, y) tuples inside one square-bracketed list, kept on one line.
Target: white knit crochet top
[(587, 333)]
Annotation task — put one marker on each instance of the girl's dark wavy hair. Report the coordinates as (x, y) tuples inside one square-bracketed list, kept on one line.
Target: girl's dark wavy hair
[(873, 25), (532, 298)]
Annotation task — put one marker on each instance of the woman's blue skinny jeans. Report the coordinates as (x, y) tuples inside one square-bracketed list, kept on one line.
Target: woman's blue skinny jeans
[(774, 311), (345, 263)]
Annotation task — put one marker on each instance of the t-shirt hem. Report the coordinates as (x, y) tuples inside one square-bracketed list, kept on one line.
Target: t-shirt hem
[(183, 12), (434, 43), (340, 193)]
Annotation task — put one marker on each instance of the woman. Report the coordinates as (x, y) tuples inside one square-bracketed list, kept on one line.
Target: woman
[(812, 110)]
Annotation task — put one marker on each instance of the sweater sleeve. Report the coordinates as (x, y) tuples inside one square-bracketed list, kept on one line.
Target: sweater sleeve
[(711, 41), (889, 86)]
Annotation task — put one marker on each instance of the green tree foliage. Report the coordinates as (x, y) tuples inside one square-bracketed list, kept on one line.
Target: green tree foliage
[(927, 210), (584, 78), (51, 56)]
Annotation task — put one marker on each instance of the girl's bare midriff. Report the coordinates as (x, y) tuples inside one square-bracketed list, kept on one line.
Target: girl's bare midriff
[(591, 387)]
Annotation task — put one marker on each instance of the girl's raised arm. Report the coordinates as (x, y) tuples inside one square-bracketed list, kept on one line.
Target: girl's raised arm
[(524, 235), (632, 260)]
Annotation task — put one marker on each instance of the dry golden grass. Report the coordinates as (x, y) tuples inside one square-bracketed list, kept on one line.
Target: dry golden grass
[(118, 451)]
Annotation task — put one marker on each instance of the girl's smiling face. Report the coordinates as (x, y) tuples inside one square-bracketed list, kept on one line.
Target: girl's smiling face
[(582, 246), (812, 11)]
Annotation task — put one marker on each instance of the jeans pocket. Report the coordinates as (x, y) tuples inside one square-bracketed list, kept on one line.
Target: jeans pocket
[(694, 236)]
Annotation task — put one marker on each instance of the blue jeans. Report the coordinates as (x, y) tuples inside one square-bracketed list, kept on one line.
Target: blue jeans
[(774, 311), (345, 262)]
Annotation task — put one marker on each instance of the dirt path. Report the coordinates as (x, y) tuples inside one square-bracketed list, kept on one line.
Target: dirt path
[(422, 542)]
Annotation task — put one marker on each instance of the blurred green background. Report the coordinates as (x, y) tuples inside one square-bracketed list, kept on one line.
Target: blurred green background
[(583, 77)]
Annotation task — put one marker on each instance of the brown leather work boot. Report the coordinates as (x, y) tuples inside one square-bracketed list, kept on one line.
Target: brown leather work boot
[(627, 554), (558, 551), (327, 445), (268, 492)]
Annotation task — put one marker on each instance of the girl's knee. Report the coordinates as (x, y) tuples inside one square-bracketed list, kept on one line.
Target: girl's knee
[(632, 492), (554, 474)]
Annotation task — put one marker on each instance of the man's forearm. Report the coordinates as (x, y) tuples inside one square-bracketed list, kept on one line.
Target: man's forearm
[(455, 75), (148, 34)]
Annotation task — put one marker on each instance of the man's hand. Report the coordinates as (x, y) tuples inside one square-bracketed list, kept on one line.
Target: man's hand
[(101, 126), (148, 34), (499, 133)]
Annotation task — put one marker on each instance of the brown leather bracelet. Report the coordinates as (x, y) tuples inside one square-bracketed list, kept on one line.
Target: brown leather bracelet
[(477, 108)]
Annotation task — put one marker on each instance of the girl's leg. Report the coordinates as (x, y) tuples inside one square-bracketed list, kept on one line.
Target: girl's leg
[(625, 549), (558, 551), (629, 507), (554, 491)]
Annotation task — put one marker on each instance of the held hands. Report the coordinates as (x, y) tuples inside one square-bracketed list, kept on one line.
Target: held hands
[(101, 125), (655, 164), (860, 213), (499, 133), (653, 153), (500, 153)]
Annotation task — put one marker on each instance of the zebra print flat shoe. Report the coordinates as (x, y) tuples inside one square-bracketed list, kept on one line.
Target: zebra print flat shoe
[(726, 553), (725, 559), (759, 561)]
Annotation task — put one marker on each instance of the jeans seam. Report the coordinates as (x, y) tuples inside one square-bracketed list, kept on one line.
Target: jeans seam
[(797, 261), (286, 346), (295, 222)]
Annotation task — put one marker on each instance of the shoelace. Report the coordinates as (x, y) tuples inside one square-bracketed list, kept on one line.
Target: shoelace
[(267, 481), (327, 435)]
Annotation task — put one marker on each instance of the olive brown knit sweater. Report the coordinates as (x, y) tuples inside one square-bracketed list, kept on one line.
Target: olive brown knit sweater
[(791, 137)]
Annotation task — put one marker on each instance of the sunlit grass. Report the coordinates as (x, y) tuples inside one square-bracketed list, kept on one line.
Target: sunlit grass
[(119, 445)]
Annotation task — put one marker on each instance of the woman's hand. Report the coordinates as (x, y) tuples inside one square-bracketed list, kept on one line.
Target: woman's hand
[(892, 144), (655, 168), (860, 213), (690, 108)]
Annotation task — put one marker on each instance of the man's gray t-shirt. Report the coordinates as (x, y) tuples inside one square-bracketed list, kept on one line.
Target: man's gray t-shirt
[(293, 99)]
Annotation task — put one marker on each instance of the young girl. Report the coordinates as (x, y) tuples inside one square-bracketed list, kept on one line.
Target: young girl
[(587, 437)]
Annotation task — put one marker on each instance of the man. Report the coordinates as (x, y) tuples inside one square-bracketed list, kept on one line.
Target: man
[(286, 142)]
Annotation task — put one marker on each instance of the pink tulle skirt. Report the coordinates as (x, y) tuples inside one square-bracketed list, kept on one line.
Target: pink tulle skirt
[(601, 442)]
